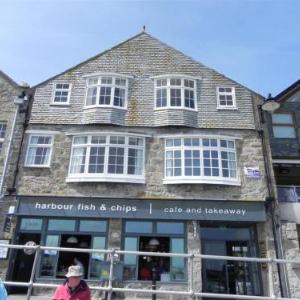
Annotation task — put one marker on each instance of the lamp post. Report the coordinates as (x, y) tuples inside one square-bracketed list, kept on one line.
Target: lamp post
[(269, 106), (153, 243)]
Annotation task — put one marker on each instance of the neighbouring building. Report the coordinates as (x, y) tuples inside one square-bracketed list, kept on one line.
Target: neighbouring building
[(12, 116), (141, 148), (285, 143)]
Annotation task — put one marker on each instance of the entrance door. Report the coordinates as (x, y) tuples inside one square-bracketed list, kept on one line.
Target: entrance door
[(228, 276), (24, 261)]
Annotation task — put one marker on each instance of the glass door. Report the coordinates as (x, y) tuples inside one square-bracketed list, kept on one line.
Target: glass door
[(229, 276)]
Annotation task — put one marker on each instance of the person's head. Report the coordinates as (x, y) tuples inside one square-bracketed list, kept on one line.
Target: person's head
[(74, 276)]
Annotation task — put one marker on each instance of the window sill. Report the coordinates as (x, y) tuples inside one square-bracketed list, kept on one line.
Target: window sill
[(60, 105), (175, 108), (201, 181), (103, 106), (226, 108), (37, 166), (139, 180)]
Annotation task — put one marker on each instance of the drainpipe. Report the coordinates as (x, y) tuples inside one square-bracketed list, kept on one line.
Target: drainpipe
[(18, 101), (11, 190), (272, 205)]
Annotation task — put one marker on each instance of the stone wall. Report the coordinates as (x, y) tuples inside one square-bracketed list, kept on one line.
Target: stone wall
[(291, 245), (52, 181)]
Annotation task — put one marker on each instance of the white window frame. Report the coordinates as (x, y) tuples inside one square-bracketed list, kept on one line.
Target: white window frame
[(113, 85), (201, 179), (182, 88), (2, 138), (29, 146), (55, 89), (219, 106), (105, 176)]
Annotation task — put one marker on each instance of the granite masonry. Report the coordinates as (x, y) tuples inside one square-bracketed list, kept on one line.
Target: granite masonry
[(173, 149)]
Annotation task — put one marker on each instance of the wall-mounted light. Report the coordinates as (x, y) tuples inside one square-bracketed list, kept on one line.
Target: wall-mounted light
[(269, 105)]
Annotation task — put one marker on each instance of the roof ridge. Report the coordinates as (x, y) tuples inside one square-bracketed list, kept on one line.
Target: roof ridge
[(9, 79), (91, 58)]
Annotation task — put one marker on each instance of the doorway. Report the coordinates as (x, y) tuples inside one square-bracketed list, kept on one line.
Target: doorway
[(228, 276), (66, 259), (147, 263), (24, 261)]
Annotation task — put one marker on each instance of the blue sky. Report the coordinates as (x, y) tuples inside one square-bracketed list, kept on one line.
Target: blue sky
[(256, 43)]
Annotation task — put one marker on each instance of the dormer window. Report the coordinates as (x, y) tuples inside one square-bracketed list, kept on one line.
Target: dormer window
[(61, 95), (226, 97), (107, 91), (175, 92)]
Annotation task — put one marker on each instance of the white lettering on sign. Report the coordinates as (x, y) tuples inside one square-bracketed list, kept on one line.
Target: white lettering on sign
[(53, 206), (205, 210), (123, 208)]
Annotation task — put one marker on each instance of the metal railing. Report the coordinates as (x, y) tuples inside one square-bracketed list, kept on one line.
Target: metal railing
[(191, 293)]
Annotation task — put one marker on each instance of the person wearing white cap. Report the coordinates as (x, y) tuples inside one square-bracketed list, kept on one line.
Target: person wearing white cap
[(74, 287)]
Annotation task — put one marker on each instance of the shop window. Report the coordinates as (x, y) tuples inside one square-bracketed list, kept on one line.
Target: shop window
[(200, 160), (168, 237), (49, 257), (177, 263), (92, 226), (140, 227), (61, 225), (31, 224), (85, 234), (130, 260), (169, 227), (97, 259)]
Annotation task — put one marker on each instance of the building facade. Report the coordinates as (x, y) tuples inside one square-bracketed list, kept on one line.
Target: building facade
[(285, 145), (12, 115), (142, 148)]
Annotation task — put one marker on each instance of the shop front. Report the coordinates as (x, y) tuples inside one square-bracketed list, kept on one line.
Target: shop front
[(167, 226)]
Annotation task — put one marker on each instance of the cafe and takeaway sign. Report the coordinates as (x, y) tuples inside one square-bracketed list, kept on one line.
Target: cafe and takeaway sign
[(142, 208)]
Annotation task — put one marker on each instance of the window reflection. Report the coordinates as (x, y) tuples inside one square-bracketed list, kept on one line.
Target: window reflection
[(49, 257)]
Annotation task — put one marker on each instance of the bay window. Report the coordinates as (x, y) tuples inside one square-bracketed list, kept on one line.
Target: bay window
[(174, 92), (200, 160), (107, 158), (107, 90)]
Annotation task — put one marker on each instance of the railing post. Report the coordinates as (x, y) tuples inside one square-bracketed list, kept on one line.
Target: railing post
[(111, 273), (270, 277), (191, 275), (36, 257), (153, 282)]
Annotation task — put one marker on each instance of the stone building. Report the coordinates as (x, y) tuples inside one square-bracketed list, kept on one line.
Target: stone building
[(12, 114), (285, 145), (143, 148)]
